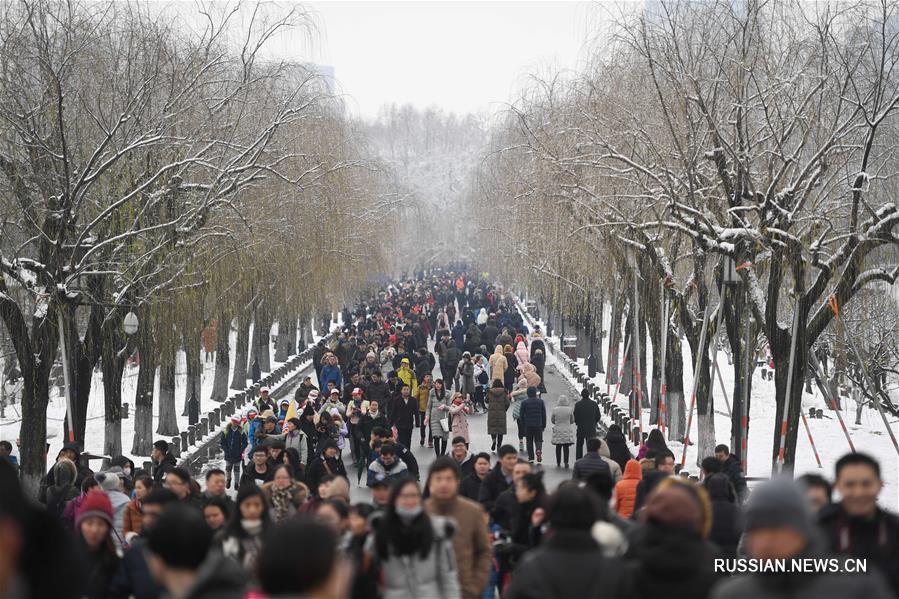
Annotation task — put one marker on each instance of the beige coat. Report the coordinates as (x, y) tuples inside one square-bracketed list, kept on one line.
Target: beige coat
[(498, 364)]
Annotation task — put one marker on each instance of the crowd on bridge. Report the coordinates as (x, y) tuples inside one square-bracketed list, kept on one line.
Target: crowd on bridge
[(278, 521)]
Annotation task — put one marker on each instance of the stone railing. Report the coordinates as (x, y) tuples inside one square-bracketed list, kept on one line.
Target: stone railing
[(199, 442)]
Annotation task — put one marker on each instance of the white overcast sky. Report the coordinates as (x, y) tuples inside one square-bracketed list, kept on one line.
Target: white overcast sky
[(462, 56)]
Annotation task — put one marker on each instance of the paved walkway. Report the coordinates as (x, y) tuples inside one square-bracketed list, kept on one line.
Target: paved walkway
[(556, 385)]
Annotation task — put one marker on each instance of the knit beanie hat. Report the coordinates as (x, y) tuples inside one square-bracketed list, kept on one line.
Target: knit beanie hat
[(95, 504), (778, 503)]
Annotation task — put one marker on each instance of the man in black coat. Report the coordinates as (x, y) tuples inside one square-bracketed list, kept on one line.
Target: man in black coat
[(470, 486), (856, 526), (405, 416), (163, 461), (730, 466), (500, 478), (377, 388), (586, 417), (464, 460), (506, 507), (450, 362)]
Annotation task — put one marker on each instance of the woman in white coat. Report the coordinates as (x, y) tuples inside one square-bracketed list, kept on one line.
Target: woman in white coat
[(413, 548), (564, 431)]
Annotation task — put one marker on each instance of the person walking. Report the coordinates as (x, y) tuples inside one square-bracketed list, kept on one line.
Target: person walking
[(459, 410), (779, 527), (563, 431), (533, 417), (465, 375), (404, 416), (618, 449), (413, 548), (470, 543), (437, 417), (241, 540), (626, 489), (94, 527), (569, 563), (498, 365), (234, 442), (591, 462), (586, 417), (423, 395), (498, 402)]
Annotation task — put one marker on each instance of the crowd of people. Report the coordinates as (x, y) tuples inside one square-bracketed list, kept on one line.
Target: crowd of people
[(277, 519)]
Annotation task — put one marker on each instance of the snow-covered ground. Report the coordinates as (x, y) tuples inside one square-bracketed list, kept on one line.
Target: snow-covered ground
[(95, 430), (869, 437)]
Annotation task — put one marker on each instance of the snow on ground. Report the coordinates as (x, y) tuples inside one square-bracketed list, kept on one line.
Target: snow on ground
[(95, 430), (869, 437)]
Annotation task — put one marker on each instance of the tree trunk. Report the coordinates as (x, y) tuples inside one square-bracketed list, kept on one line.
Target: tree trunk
[(33, 435), (83, 359), (781, 352), (283, 343), (292, 335), (626, 380), (34, 353), (222, 359), (239, 376), (735, 321), (143, 394), (194, 367), (262, 333), (115, 355), (168, 420), (644, 391), (597, 335), (617, 307), (674, 383)]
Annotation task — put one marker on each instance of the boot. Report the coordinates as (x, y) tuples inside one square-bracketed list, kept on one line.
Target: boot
[(228, 483), (539, 456)]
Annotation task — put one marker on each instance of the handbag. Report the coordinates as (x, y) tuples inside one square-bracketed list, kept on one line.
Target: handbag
[(444, 424)]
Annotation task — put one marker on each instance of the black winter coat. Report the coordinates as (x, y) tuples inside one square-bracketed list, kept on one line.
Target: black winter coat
[(670, 563), (586, 417), (876, 540), (321, 466), (404, 414), (726, 524), (569, 564), (618, 449), (470, 487), (492, 485), (163, 468)]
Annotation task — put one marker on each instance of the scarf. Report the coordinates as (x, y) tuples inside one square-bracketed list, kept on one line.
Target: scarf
[(282, 500)]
